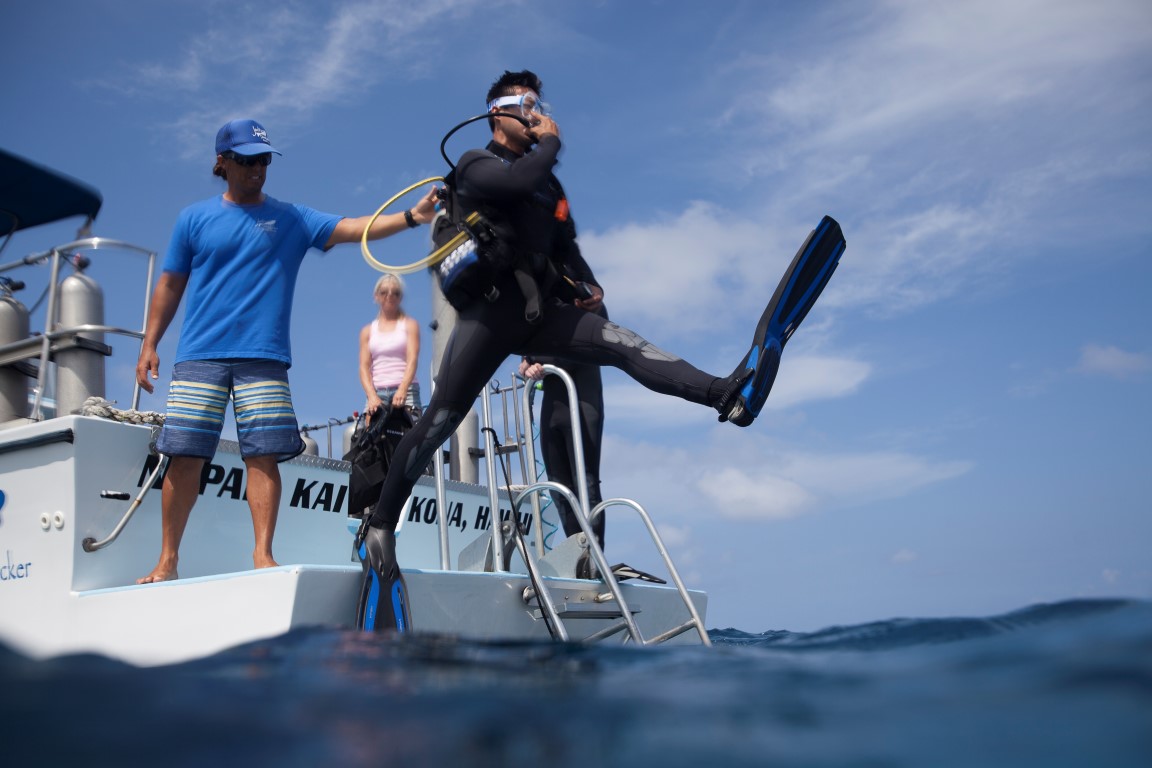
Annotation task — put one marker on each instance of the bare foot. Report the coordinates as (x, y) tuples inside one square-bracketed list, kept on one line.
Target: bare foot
[(159, 573), (264, 562)]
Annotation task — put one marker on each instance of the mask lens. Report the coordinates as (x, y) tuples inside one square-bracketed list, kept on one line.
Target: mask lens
[(531, 103), (527, 104)]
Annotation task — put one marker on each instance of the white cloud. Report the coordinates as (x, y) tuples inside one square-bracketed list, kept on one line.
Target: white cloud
[(306, 58), (1112, 361), (913, 64), (904, 556), (741, 475), (742, 495), (700, 269), (674, 536), (950, 140), (809, 378)]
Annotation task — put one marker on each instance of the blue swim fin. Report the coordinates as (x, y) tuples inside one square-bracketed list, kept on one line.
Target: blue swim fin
[(383, 603), (798, 290)]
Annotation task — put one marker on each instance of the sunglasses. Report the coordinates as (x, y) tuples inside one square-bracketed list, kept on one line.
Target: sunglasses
[(246, 161), (389, 292)]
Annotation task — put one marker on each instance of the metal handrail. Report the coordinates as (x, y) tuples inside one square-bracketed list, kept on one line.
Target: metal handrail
[(51, 333), (13, 350), (696, 621), (587, 518), (441, 492), (577, 446), (543, 595), (91, 545), (83, 244), (528, 457), (491, 456), (594, 550)]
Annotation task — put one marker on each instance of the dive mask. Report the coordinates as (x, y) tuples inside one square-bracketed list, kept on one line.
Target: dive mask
[(524, 103)]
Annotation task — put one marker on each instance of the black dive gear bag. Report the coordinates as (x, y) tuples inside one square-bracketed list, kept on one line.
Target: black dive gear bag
[(371, 454)]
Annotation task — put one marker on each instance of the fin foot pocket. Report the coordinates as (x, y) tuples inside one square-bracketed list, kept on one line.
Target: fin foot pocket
[(383, 598)]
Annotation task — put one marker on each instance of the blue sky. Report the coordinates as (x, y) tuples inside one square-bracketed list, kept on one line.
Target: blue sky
[(960, 427)]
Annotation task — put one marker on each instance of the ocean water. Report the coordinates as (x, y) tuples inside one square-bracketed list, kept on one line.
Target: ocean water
[(1067, 684)]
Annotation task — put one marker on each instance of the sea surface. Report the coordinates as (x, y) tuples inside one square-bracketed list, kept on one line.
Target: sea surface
[(1067, 684)]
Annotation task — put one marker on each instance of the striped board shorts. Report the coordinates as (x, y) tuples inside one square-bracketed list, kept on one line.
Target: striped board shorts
[(261, 400)]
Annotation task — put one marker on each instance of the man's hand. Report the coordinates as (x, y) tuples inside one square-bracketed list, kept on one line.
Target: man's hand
[(542, 126), (593, 302), (425, 210), (533, 371), (148, 364)]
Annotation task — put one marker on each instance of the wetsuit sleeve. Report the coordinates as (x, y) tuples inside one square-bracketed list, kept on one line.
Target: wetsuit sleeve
[(484, 176), (577, 267)]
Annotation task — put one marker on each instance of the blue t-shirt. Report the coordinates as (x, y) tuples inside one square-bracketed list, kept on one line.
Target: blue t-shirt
[(242, 262)]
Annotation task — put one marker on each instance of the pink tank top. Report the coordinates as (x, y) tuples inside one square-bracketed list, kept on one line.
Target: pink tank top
[(389, 350)]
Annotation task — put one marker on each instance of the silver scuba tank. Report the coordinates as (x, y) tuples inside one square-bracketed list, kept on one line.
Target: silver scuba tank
[(80, 369), (14, 326)]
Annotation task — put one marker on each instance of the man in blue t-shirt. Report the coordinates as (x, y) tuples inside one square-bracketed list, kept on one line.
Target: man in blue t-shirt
[(237, 256)]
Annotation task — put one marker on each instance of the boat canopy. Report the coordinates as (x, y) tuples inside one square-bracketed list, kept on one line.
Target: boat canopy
[(31, 195)]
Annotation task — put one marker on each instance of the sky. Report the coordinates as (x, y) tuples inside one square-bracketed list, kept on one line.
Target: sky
[(960, 427)]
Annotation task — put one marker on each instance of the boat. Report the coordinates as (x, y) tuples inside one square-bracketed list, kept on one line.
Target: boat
[(80, 503)]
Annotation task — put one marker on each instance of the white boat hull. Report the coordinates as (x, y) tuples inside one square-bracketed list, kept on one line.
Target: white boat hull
[(64, 481)]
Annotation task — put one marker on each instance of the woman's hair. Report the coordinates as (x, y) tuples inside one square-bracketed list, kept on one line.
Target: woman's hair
[(389, 277)]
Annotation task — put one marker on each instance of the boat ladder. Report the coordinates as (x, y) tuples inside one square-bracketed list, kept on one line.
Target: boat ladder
[(508, 534)]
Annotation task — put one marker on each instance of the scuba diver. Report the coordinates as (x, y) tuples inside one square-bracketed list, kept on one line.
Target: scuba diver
[(525, 311)]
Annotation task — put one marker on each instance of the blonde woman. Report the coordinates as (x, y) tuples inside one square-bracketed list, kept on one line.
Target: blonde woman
[(389, 349)]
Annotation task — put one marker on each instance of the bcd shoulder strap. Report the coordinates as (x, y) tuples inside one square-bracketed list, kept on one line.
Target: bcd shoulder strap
[(472, 250)]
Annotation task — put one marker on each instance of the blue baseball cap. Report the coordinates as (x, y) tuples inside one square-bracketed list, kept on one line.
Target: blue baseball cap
[(244, 137)]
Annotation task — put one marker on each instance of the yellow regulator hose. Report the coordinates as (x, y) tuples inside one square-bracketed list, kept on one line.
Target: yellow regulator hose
[(407, 268)]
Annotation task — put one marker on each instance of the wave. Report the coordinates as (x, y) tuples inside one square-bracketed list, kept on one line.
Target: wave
[(1065, 684), (902, 633)]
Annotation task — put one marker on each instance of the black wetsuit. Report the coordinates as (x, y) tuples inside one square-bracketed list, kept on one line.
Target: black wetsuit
[(526, 194), (556, 428)]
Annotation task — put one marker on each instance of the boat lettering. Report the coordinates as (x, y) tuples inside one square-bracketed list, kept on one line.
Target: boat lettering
[(302, 495), (484, 518), (423, 510), (456, 516), (229, 482), (11, 570)]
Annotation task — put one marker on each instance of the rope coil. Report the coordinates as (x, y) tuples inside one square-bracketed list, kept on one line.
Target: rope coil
[(98, 406)]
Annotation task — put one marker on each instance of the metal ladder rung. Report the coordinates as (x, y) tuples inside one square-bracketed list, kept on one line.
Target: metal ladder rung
[(674, 632), (694, 621), (547, 607), (605, 633)]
